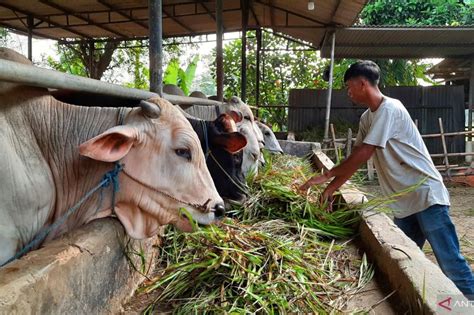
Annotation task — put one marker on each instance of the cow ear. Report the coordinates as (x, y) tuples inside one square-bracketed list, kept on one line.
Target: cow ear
[(236, 116), (232, 142), (111, 145)]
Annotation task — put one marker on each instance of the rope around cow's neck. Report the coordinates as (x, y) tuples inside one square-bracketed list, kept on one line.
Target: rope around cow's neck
[(202, 207), (111, 177)]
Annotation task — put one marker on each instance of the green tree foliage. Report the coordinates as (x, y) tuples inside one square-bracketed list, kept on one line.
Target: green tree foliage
[(135, 62), (418, 12), (281, 70), (4, 37), (69, 61), (113, 63)]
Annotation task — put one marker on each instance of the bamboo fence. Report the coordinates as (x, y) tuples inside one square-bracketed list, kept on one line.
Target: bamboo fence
[(337, 145)]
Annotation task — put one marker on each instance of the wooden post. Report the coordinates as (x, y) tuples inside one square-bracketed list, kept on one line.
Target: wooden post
[(257, 84), (349, 142), (30, 23), (329, 95), (155, 15), (370, 169), (333, 135), (443, 140), (471, 99), (243, 69), (219, 52)]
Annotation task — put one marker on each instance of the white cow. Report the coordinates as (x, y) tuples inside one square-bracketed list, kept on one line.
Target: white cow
[(255, 143), (269, 138), (53, 153)]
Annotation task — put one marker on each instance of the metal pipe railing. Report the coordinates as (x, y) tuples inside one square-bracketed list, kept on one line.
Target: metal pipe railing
[(15, 72)]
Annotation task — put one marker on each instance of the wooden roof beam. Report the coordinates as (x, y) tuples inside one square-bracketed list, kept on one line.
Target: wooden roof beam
[(121, 13), (187, 28), (272, 6), (13, 8), (253, 14), (207, 10), (338, 6), (79, 16), (25, 31)]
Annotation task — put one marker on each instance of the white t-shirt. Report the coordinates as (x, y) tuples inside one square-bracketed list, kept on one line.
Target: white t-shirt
[(401, 158)]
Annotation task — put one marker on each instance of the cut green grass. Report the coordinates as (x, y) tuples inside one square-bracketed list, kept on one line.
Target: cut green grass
[(282, 252)]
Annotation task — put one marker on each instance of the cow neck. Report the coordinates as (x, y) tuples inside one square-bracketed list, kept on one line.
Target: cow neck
[(72, 173)]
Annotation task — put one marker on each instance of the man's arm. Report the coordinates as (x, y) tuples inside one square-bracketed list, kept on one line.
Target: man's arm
[(343, 171)]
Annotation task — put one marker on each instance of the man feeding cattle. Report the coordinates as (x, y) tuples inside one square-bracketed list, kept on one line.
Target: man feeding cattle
[(53, 153), (401, 159)]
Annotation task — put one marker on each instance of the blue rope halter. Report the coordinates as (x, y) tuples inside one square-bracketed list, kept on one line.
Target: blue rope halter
[(107, 179)]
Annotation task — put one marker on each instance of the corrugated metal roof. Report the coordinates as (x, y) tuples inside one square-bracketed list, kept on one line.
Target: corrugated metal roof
[(452, 69), (402, 42), (85, 19)]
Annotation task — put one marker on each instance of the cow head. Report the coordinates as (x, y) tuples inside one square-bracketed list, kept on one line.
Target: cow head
[(164, 170), (252, 155), (225, 163), (269, 138)]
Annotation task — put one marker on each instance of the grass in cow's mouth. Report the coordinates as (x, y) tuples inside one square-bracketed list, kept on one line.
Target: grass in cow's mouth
[(278, 254)]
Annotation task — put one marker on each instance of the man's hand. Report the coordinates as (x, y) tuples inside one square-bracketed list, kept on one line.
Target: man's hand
[(316, 180), (327, 199)]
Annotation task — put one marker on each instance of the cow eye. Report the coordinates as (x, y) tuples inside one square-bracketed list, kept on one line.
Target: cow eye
[(184, 153), (247, 117), (267, 133)]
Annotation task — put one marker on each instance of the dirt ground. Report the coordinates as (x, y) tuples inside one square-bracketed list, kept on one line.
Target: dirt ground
[(462, 214)]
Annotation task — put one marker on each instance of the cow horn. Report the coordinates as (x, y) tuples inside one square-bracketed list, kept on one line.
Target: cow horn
[(150, 110)]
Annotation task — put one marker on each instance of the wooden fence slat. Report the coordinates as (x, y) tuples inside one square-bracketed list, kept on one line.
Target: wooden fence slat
[(333, 135), (349, 143), (443, 140), (370, 169)]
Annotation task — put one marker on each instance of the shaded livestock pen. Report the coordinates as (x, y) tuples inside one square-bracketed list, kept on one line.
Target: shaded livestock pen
[(307, 109), (91, 264)]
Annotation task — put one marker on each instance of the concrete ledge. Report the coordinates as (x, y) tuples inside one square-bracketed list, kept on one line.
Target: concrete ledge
[(420, 284), (84, 272), (299, 148)]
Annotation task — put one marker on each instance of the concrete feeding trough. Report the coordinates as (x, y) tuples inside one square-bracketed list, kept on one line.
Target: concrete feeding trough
[(401, 266), (87, 270), (83, 272)]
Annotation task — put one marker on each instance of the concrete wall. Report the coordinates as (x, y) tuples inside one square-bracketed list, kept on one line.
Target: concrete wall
[(299, 148), (84, 272)]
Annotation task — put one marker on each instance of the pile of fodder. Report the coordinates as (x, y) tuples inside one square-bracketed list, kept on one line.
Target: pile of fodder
[(274, 194), (270, 267), (278, 254)]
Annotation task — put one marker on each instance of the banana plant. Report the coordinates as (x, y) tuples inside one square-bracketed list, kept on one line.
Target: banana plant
[(176, 75)]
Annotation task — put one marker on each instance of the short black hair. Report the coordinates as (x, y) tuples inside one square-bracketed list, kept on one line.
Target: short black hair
[(364, 68)]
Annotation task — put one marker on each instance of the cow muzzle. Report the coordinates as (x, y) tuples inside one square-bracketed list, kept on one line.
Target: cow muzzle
[(219, 211)]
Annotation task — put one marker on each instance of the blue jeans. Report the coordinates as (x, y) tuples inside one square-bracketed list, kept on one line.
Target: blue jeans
[(434, 225)]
